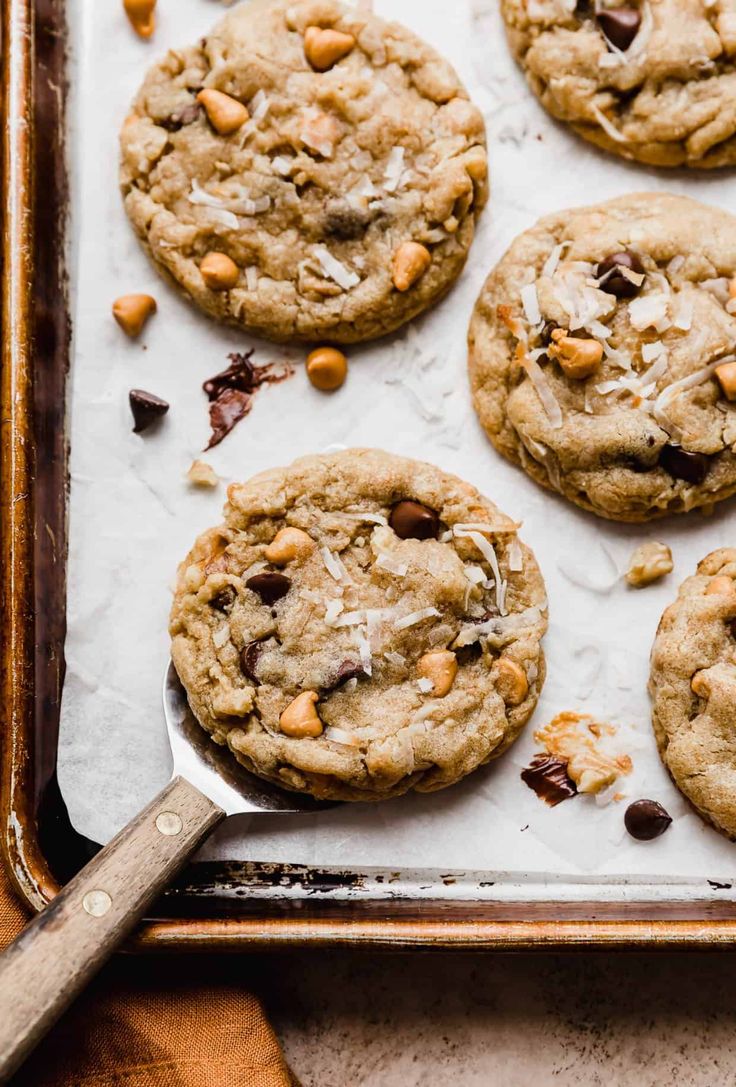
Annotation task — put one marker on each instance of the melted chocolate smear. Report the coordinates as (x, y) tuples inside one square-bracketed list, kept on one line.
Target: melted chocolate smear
[(547, 776), (231, 392)]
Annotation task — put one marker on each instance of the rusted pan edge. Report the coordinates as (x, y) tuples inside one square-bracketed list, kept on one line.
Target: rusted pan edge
[(19, 843), (391, 935)]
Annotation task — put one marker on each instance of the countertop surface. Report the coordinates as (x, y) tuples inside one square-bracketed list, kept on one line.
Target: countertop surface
[(504, 1020)]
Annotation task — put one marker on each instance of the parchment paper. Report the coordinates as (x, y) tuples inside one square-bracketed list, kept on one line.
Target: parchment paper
[(133, 516)]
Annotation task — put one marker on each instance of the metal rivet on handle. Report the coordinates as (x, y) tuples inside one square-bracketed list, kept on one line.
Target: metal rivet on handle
[(169, 823), (96, 903)]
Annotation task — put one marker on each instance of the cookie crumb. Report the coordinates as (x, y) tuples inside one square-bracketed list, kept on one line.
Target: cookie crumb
[(201, 474)]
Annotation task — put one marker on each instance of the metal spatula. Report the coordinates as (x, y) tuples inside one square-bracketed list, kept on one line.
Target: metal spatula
[(57, 955)]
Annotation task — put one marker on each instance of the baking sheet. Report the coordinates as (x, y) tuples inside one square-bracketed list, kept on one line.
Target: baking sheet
[(133, 515)]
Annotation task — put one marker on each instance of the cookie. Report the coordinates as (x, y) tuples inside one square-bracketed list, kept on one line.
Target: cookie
[(693, 689), (601, 351), (653, 81), (306, 171), (360, 625)]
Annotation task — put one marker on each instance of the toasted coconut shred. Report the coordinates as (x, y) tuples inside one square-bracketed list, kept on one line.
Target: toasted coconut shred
[(334, 269)]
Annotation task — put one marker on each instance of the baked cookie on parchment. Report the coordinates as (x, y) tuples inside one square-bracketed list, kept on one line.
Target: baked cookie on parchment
[(306, 171), (602, 355), (360, 625), (693, 689), (653, 80)]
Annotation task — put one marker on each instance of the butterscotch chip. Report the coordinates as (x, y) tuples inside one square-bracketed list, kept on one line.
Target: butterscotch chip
[(306, 140), (370, 649), (693, 688)]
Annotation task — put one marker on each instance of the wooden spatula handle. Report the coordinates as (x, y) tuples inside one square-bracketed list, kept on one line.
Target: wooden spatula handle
[(56, 956)]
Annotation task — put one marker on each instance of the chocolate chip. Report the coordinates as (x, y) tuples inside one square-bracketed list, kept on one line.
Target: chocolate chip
[(146, 409), (345, 222), (249, 655), (183, 115), (467, 653), (270, 586), (615, 282), (646, 819), (347, 670), (412, 521), (547, 776), (546, 334), (224, 600), (620, 25), (681, 464)]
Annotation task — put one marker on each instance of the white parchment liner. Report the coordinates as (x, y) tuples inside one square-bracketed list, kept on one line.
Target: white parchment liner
[(133, 516)]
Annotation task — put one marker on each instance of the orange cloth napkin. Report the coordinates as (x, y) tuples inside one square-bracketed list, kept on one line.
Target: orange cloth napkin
[(166, 1021)]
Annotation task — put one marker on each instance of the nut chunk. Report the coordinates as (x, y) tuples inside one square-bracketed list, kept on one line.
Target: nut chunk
[(651, 561)]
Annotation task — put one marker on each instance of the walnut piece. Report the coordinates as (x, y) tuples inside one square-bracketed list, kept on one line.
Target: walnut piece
[(651, 561)]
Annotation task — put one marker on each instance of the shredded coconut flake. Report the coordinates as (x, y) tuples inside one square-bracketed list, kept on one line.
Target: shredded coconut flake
[(259, 106), (550, 265), (251, 277), (543, 389), (332, 611), (282, 165), (682, 316), (334, 270), (395, 658), (425, 685), (341, 736), (334, 567), (489, 554), (221, 636), (475, 575), (515, 556), (499, 629), (415, 617), (581, 577), (387, 562), (484, 526), (394, 169), (371, 518), (608, 127), (659, 409), (364, 648), (351, 619), (530, 302)]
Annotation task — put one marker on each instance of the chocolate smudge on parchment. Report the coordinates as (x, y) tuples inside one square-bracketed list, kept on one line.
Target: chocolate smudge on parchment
[(547, 776), (231, 392)]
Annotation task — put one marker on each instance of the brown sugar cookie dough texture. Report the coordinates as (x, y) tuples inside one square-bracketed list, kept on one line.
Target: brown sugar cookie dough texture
[(360, 625), (653, 80), (306, 171), (602, 355), (693, 689)]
